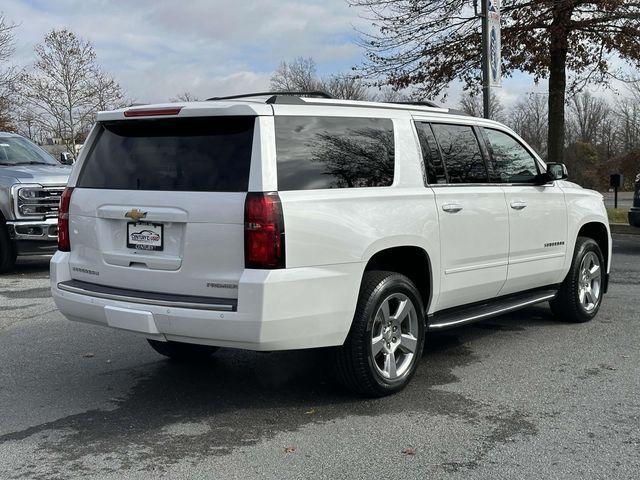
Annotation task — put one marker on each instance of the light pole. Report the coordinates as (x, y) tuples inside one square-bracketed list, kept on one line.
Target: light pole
[(491, 59), (486, 52)]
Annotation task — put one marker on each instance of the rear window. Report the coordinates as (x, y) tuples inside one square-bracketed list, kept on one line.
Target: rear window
[(189, 154), (334, 152)]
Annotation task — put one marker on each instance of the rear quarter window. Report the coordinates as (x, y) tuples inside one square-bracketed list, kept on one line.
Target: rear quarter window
[(334, 152), (187, 154)]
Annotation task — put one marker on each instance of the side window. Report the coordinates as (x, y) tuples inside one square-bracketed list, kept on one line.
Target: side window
[(334, 152), (461, 153), (430, 154), (512, 162)]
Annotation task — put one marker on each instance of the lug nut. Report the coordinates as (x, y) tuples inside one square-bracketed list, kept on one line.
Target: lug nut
[(388, 345), (394, 339), (395, 328)]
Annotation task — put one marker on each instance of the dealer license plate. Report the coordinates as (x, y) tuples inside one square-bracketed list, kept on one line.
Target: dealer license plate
[(145, 236)]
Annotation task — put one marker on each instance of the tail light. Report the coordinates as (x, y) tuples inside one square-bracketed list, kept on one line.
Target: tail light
[(263, 231), (64, 245)]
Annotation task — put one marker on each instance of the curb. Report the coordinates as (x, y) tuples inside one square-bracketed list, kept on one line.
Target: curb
[(624, 229)]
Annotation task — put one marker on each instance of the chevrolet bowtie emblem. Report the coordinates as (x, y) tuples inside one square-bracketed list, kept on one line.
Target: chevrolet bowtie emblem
[(135, 214)]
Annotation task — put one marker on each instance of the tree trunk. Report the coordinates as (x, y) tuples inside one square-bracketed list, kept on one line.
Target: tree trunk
[(558, 49)]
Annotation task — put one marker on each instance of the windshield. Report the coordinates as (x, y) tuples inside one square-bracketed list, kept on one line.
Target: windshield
[(20, 151)]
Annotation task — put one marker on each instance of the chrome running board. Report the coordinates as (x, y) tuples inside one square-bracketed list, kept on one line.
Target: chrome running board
[(458, 316)]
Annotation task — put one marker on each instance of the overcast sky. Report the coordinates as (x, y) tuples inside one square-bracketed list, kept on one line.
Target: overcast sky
[(157, 49)]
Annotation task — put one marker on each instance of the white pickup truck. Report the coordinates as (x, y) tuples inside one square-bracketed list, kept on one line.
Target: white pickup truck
[(272, 222)]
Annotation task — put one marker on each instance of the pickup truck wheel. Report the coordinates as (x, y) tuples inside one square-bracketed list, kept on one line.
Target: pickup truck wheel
[(7, 250), (183, 352), (384, 345), (580, 295)]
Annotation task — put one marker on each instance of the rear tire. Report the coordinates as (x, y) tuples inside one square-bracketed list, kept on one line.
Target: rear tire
[(7, 250), (183, 352), (385, 343), (580, 295)]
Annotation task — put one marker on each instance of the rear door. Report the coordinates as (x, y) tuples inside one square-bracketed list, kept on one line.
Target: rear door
[(474, 229), (158, 205), (537, 215)]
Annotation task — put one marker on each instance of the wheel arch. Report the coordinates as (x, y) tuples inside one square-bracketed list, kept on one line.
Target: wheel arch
[(599, 232), (410, 260)]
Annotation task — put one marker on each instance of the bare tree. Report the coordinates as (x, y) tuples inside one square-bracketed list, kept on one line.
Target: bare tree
[(66, 87), (184, 97), (8, 75), (529, 118), (587, 115), (628, 114), (345, 87), (472, 105), (391, 95), (300, 75)]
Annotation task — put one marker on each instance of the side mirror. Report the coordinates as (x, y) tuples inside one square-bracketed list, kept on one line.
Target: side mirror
[(556, 171)]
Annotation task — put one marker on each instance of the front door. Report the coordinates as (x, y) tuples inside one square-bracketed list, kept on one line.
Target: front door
[(537, 216)]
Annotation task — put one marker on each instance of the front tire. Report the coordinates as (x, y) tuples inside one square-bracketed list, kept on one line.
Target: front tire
[(385, 343), (183, 352), (7, 250), (580, 295)]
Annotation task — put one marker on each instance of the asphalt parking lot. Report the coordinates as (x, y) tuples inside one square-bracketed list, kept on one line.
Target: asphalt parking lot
[(520, 396)]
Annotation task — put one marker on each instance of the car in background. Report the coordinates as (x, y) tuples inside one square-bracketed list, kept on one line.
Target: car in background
[(31, 183), (634, 212)]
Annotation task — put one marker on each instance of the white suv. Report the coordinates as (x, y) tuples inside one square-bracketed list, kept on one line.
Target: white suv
[(280, 222)]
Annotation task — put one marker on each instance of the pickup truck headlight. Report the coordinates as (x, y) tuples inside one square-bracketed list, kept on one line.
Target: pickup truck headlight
[(36, 201)]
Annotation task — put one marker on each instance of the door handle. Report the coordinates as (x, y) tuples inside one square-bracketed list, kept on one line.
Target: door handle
[(452, 207), (518, 205)]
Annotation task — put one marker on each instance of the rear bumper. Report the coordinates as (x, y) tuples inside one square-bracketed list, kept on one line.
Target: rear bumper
[(276, 309)]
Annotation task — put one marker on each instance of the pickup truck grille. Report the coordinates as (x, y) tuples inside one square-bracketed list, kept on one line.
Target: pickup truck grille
[(37, 201)]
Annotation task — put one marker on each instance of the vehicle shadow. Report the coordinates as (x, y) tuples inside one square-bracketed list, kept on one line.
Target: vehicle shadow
[(239, 398)]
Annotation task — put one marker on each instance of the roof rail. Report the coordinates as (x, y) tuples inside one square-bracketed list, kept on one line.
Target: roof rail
[(275, 94), (424, 103)]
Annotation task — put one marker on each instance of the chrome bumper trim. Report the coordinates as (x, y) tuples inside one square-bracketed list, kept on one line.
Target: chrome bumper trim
[(45, 225), (148, 298)]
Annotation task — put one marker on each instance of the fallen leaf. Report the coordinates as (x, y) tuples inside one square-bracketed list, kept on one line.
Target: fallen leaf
[(310, 412), (88, 355), (289, 449), (409, 451)]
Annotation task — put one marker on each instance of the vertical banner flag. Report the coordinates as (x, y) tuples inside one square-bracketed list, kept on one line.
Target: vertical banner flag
[(495, 57)]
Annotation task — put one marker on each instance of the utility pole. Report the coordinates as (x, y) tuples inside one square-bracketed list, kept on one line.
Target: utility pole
[(486, 52)]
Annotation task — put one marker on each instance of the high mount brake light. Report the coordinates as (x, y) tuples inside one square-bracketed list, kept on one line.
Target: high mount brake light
[(64, 245), (152, 112), (263, 231)]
